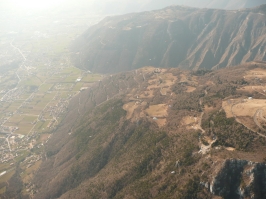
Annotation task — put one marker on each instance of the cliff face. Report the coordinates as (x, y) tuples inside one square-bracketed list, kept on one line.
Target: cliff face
[(173, 37), (240, 179)]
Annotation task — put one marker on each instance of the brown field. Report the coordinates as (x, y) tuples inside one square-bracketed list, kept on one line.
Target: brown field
[(208, 109), (209, 83), (190, 89), (252, 89), (230, 149), (147, 69), (256, 73), (164, 91), (24, 129), (195, 79), (208, 139), (227, 107), (160, 122), (189, 120), (183, 78), (44, 137), (137, 99), (168, 79), (153, 84), (7, 176), (248, 107), (243, 107), (28, 173), (159, 110), (147, 94), (3, 190), (130, 108), (244, 110)]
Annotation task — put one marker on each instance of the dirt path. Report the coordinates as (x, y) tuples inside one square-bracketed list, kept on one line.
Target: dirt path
[(261, 116), (257, 91), (203, 148), (258, 113), (161, 91), (11, 43), (254, 118), (199, 124)]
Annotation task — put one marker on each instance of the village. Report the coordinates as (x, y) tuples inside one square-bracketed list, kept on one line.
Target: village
[(34, 95)]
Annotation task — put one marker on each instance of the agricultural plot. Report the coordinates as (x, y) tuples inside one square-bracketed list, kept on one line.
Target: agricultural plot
[(24, 123), (91, 78), (7, 176), (40, 98)]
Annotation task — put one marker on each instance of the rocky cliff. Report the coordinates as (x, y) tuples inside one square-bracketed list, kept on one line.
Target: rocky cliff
[(176, 36), (240, 179)]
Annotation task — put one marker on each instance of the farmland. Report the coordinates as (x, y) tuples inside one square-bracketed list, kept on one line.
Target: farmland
[(37, 81)]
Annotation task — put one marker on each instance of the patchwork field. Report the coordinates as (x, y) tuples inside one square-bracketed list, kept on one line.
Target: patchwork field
[(159, 80)]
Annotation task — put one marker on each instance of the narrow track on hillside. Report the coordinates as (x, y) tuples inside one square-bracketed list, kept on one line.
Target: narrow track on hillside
[(203, 148), (259, 113), (254, 118)]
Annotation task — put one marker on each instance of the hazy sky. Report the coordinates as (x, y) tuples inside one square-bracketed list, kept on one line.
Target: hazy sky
[(72, 8), (29, 4), (121, 6)]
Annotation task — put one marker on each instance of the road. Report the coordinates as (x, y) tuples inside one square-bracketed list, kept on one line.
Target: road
[(203, 148), (258, 91), (162, 92), (11, 43), (261, 116), (8, 143), (199, 124), (42, 111), (259, 113), (19, 79), (254, 118)]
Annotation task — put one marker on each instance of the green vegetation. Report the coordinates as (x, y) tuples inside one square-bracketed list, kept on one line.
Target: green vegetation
[(190, 189), (229, 132)]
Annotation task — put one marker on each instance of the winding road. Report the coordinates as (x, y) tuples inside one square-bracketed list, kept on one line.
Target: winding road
[(259, 114), (259, 111)]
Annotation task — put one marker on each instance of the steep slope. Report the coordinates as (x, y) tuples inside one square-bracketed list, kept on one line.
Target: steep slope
[(173, 37), (160, 133)]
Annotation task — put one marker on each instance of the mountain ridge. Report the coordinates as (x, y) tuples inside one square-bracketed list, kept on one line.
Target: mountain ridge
[(156, 133), (176, 36)]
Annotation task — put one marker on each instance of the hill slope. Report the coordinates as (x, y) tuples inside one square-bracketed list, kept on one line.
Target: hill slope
[(173, 37), (161, 133)]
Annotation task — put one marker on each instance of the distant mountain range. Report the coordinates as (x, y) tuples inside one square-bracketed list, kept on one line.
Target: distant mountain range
[(126, 6), (219, 4), (176, 36), (111, 7)]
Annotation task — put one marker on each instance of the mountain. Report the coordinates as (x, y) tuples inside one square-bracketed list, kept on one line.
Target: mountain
[(176, 36), (110, 7), (218, 4), (160, 133)]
